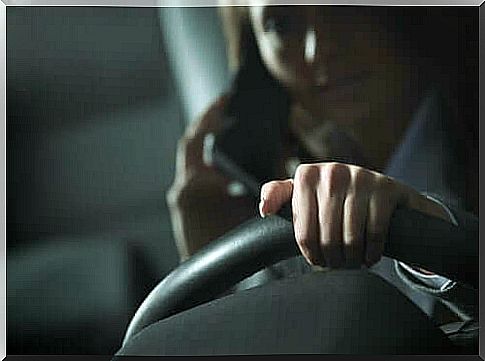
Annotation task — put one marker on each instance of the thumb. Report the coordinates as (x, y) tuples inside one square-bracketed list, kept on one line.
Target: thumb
[(274, 195)]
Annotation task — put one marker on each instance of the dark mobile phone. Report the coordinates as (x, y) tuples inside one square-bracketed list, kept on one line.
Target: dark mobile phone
[(250, 143)]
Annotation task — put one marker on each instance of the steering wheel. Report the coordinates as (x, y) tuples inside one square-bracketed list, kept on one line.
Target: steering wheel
[(414, 238)]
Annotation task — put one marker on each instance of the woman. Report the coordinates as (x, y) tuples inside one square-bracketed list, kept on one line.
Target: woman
[(354, 77), (378, 109)]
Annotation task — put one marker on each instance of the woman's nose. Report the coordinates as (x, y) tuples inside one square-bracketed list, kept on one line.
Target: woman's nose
[(315, 55), (310, 46)]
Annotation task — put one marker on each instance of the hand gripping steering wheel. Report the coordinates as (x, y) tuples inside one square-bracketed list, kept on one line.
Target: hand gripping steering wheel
[(414, 238)]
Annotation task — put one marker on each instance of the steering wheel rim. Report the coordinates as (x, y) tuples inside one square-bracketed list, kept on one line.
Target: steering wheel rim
[(260, 243)]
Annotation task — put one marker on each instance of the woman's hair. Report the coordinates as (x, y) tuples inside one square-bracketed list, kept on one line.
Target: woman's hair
[(253, 85), (445, 37), (238, 33), (243, 54)]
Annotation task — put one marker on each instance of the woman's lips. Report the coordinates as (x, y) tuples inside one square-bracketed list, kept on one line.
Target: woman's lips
[(340, 89), (334, 84)]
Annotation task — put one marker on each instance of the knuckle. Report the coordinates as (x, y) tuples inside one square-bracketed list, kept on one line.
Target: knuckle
[(361, 178), (307, 174), (186, 145), (337, 176), (182, 142), (174, 196), (180, 192)]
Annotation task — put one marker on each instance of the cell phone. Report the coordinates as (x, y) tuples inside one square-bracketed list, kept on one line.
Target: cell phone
[(255, 121)]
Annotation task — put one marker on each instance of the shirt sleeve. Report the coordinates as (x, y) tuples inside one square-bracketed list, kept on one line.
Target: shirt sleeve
[(449, 249), (435, 199)]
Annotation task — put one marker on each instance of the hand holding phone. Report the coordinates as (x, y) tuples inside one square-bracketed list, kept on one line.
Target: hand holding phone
[(201, 209), (250, 142)]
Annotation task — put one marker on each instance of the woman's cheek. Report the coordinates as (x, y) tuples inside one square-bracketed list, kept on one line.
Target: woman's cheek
[(283, 62)]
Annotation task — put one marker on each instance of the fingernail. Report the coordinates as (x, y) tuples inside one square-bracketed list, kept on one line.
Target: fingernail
[(262, 203)]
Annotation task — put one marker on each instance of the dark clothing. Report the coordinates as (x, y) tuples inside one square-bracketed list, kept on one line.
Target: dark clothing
[(432, 158), (348, 312)]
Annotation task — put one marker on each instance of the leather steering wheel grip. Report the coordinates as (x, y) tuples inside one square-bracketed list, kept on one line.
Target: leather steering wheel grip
[(414, 238)]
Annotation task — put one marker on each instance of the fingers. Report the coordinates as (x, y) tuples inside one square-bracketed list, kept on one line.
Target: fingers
[(331, 195), (378, 218), (190, 147), (193, 177), (305, 213), (352, 204), (274, 195), (341, 213), (355, 216), (190, 155)]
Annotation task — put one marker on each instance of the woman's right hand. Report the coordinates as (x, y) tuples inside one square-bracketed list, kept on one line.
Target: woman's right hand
[(200, 206)]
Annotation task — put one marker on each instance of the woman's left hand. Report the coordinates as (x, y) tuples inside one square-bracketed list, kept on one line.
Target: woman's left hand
[(341, 213)]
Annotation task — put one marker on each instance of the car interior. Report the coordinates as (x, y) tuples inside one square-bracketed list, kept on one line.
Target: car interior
[(97, 98)]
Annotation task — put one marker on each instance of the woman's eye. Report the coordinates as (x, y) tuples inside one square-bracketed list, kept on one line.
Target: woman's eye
[(273, 25), (283, 26)]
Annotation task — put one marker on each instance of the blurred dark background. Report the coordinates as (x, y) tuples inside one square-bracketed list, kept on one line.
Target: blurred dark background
[(96, 100)]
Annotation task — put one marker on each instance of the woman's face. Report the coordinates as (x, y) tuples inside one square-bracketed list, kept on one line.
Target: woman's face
[(337, 62)]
